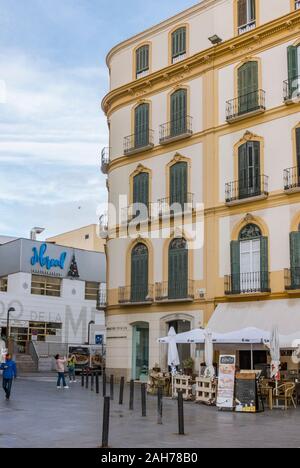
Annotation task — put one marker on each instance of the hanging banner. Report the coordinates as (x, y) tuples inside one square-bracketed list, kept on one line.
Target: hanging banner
[(225, 398)]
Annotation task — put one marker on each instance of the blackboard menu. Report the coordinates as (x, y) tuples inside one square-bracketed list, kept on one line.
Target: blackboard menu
[(246, 397)]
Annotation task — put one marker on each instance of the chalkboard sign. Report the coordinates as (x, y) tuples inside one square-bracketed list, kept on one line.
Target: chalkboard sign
[(246, 394)]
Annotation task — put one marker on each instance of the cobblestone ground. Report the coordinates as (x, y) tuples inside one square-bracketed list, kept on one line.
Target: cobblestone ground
[(39, 415)]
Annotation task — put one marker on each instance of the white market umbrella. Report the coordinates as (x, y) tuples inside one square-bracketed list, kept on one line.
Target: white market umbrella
[(275, 357), (173, 357), (209, 353)]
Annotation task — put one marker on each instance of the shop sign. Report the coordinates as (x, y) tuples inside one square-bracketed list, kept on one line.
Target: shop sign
[(226, 382), (39, 258)]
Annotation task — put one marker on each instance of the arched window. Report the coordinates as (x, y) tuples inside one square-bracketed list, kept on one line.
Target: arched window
[(139, 273), (249, 261), (248, 92), (249, 170), (141, 124), (142, 60), (178, 112), (179, 184), (178, 44), (178, 269)]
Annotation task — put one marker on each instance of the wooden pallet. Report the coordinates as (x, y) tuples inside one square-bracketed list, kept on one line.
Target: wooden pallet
[(184, 384), (206, 391)]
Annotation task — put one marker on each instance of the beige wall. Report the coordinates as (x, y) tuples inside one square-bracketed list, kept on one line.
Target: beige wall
[(77, 239)]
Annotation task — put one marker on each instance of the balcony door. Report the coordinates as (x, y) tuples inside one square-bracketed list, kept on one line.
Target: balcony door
[(141, 195), (249, 169), (293, 70), (178, 112), (250, 265), (295, 258), (178, 184), (141, 130), (139, 273), (248, 87), (178, 269)]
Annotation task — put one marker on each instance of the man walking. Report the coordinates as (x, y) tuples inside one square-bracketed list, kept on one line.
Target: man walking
[(9, 373)]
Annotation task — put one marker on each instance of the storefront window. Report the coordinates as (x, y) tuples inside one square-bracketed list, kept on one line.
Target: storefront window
[(45, 286), (91, 291), (3, 284), (35, 331)]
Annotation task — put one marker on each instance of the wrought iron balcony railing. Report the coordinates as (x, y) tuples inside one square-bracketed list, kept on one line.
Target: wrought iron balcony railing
[(181, 291), (292, 278), (137, 294), (105, 160), (291, 177), (242, 106), (176, 129), (138, 142), (247, 283), (242, 189), (178, 205), (247, 27), (291, 89), (102, 299)]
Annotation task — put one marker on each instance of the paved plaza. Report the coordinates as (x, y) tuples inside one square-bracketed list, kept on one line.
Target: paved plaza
[(39, 415)]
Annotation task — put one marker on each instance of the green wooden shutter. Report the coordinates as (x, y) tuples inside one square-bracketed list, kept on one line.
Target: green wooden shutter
[(248, 87), (242, 12), (298, 148), (178, 112), (256, 169), (139, 273), (243, 172), (178, 42), (235, 267), (142, 59), (292, 53), (264, 264), (179, 183), (295, 259), (178, 273), (141, 135), (141, 191)]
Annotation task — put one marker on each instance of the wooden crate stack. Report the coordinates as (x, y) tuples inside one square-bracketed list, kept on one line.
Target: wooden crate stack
[(206, 390), (183, 383)]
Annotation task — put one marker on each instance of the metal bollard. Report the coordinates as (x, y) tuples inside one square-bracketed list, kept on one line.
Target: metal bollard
[(105, 427), (112, 387), (143, 397), (97, 383), (159, 404), (104, 384), (180, 414), (122, 383), (131, 396), (82, 378), (87, 379), (92, 380)]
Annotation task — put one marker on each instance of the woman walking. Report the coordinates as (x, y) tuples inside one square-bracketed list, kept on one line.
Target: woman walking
[(71, 368), (60, 367)]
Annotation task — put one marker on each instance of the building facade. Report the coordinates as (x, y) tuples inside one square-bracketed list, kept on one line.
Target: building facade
[(85, 238), (53, 291), (203, 113)]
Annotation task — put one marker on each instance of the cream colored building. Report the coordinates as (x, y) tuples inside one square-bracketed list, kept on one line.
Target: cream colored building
[(203, 111), (85, 238)]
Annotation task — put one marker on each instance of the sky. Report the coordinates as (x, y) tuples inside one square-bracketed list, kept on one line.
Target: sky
[(53, 77)]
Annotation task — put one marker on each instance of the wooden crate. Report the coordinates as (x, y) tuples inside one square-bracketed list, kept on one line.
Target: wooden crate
[(184, 384), (206, 390)]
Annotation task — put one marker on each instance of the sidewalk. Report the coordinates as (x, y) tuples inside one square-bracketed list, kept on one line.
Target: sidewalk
[(39, 415)]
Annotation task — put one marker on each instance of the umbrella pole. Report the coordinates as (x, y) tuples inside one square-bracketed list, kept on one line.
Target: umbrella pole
[(252, 366)]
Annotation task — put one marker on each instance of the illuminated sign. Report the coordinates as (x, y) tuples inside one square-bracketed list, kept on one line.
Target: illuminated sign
[(40, 258)]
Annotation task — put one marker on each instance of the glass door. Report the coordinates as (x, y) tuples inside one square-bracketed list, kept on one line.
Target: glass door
[(140, 352), (250, 265)]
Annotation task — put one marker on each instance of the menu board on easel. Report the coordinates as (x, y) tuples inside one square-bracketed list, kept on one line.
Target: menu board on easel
[(225, 398), (246, 394)]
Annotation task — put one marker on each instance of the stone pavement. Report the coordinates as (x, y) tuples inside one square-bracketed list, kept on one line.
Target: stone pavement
[(39, 415)]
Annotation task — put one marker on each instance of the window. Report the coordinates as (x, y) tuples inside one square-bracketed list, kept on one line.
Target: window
[(249, 170), (293, 53), (86, 237), (179, 112), (178, 269), (297, 4), (45, 286), (139, 273), (142, 61), (38, 331), (91, 290), (3, 284), (295, 259), (141, 122), (246, 16), (248, 95), (141, 194), (178, 44), (179, 184)]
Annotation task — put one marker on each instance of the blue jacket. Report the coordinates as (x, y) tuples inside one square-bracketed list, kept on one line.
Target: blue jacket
[(9, 369)]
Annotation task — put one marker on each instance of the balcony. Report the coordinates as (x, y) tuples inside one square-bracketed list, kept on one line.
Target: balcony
[(138, 295), (247, 283), (169, 207), (291, 90), (176, 130), (181, 292), (101, 299), (246, 106), (291, 177), (238, 192), (105, 160), (137, 211), (247, 27), (292, 279), (138, 142)]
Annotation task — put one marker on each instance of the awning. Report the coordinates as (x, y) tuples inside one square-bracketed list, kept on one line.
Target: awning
[(245, 336), (264, 315)]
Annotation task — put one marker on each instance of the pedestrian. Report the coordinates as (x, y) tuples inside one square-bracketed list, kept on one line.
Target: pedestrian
[(71, 368), (60, 367), (9, 373)]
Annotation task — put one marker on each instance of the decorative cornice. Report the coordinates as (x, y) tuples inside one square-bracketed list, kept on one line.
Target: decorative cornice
[(217, 56)]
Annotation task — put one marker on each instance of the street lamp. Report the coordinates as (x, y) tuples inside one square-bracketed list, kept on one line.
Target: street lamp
[(35, 231), (89, 330), (11, 309)]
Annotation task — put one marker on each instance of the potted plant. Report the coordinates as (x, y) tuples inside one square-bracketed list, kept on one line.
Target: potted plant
[(188, 366)]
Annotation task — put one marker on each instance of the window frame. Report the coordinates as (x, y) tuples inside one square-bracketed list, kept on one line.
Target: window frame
[(251, 24), (91, 290), (3, 283), (47, 285), (147, 70)]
